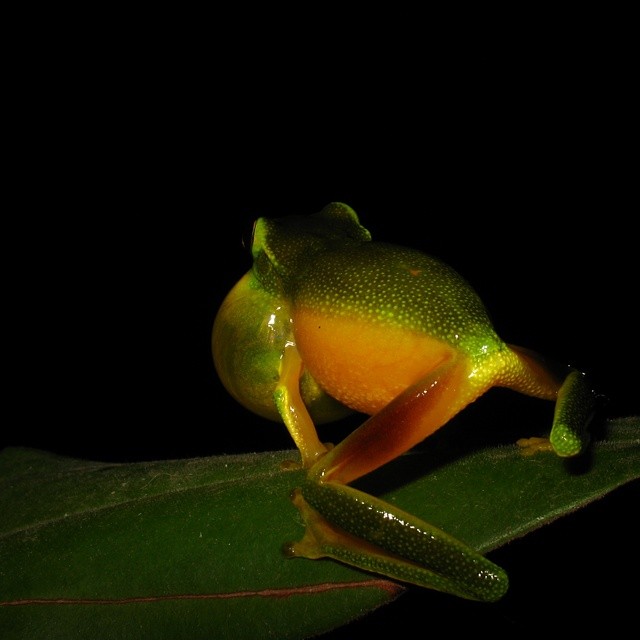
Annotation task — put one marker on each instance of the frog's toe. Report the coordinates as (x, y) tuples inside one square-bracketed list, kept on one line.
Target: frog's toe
[(531, 446), (291, 465)]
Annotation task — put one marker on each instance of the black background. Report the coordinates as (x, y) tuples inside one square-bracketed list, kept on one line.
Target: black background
[(137, 189)]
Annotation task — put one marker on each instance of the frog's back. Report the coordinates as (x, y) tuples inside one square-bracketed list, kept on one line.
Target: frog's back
[(373, 319), (385, 284)]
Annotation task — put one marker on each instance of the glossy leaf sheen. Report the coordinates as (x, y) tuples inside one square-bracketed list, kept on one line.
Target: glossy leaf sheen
[(192, 548)]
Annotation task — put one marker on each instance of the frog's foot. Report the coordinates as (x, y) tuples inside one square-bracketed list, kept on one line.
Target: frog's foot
[(531, 446), (310, 546), (291, 465)]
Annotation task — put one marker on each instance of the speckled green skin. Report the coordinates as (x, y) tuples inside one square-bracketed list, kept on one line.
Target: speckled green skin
[(282, 248), (432, 555), (327, 261), (399, 287)]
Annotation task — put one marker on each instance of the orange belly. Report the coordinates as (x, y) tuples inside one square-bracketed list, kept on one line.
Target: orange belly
[(364, 365)]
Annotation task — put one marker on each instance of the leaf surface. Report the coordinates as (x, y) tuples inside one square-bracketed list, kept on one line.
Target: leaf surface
[(192, 548)]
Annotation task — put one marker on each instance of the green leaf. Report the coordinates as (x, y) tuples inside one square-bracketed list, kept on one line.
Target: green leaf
[(192, 548)]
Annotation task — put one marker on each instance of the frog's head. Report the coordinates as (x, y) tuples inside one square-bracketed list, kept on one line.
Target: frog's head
[(281, 245)]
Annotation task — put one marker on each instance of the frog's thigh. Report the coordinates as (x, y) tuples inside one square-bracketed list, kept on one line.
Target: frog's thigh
[(362, 364), (412, 416)]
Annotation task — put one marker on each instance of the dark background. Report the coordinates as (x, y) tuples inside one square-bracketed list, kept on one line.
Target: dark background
[(136, 188)]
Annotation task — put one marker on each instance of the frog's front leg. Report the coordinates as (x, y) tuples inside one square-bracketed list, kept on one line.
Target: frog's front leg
[(575, 407), (292, 409), (361, 530), (575, 400)]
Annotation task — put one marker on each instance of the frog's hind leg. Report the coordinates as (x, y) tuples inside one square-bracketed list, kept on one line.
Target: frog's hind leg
[(407, 420), (358, 529), (379, 537)]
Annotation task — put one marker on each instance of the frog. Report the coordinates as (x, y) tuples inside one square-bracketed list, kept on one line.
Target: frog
[(327, 323)]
